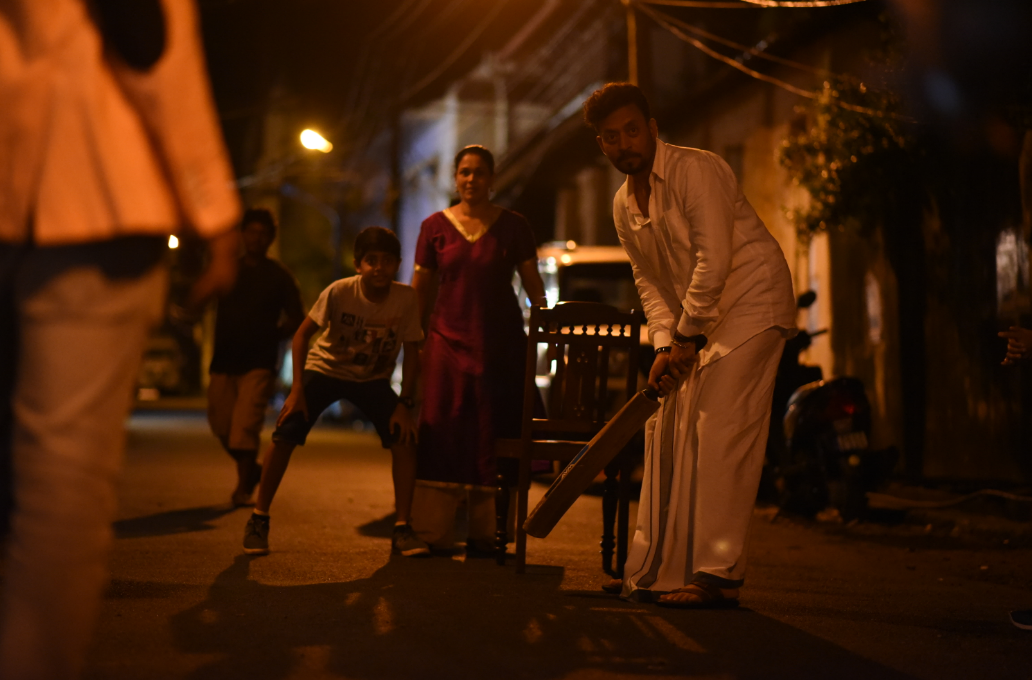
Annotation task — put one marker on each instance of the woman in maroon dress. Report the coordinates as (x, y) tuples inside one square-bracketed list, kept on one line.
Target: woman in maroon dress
[(473, 359)]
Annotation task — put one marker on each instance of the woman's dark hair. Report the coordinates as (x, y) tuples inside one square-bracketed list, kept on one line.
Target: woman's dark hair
[(262, 217), (378, 239), (611, 97), (476, 150)]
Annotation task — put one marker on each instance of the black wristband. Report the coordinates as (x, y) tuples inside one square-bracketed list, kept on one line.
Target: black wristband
[(663, 350)]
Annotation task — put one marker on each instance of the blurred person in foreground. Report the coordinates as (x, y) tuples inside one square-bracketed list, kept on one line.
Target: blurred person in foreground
[(109, 142), (263, 308), (718, 297), (473, 358)]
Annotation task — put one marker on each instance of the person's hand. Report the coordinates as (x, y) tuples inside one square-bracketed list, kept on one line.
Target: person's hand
[(659, 379), (402, 419), (681, 360), (1019, 340), (294, 402), (221, 273)]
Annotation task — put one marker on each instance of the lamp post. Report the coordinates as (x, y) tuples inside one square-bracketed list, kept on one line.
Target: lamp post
[(310, 139), (336, 237)]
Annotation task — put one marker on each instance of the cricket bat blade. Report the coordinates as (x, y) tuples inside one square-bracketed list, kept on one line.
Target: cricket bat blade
[(591, 460)]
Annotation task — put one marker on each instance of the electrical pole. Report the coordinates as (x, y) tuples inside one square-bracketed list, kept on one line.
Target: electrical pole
[(632, 42)]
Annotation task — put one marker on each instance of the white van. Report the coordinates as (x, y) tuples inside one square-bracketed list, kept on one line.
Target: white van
[(574, 273)]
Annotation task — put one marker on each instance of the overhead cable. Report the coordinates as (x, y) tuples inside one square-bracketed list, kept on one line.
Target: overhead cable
[(750, 50), (663, 21), (429, 78), (750, 4)]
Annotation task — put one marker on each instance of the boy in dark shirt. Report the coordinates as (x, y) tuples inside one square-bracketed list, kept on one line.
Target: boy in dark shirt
[(263, 308)]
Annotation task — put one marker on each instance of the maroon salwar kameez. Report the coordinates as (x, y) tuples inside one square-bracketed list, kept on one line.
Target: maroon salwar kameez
[(474, 356)]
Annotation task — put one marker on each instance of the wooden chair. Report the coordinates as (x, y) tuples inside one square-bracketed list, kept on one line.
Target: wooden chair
[(595, 349)]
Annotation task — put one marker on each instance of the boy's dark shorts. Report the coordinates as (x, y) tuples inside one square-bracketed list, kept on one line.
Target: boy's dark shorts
[(375, 398)]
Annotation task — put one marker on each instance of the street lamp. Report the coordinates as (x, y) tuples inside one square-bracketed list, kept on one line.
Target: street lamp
[(310, 139)]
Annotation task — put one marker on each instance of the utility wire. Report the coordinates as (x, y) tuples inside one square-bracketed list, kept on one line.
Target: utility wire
[(663, 21), (749, 4), (457, 52), (808, 3), (750, 50)]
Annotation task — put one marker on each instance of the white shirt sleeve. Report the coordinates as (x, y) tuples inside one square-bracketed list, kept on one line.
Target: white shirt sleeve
[(657, 311), (710, 191), (320, 310)]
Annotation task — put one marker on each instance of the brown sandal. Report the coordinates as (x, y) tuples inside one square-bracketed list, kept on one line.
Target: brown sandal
[(710, 597), (614, 587)]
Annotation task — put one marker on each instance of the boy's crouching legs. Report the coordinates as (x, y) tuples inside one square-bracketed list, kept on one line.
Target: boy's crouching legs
[(256, 533)]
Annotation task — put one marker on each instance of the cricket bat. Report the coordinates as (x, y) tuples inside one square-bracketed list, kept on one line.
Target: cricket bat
[(591, 460)]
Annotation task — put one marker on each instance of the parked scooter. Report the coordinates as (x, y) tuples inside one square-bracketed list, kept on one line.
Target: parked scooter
[(823, 458)]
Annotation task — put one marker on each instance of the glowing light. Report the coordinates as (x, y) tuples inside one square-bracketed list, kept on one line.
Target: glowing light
[(570, 245), (310, 139), (566, 259), (173, 242)]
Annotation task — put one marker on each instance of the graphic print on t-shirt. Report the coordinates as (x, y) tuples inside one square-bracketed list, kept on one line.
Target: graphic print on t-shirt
[(361, 339), (371, 343)]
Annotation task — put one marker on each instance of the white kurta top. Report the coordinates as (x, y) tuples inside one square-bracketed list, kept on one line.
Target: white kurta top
[(91, 150), (703, 250)]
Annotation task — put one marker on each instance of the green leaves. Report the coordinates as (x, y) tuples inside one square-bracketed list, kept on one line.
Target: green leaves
[(847, 150)]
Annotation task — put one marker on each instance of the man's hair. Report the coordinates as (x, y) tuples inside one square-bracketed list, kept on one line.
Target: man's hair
[(476, 150), (378, 239), (262, 217), (611, 97)]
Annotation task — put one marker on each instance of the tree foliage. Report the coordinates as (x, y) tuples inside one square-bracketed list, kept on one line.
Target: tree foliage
[(853, 164)]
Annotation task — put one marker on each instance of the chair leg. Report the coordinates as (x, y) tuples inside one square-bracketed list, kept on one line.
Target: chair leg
[(609, 503), (522, 491), (501, 517)]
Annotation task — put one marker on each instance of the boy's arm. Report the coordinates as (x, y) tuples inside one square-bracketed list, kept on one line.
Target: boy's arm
[(299, 348), (298, 351), (402, 418), (409, 370)]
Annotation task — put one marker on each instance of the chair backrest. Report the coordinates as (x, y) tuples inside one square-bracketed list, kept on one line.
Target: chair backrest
[(595, 350)]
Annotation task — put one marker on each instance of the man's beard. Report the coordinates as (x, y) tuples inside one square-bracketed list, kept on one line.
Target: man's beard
[(630, 164)]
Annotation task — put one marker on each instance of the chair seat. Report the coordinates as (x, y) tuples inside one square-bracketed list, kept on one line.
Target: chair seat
[(540, 449)]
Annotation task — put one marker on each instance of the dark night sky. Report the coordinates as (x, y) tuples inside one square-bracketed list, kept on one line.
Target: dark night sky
[(333, 58)]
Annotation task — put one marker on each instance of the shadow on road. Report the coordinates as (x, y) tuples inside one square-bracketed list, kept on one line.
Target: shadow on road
[(378, 528), (172, 522), (444, 618)]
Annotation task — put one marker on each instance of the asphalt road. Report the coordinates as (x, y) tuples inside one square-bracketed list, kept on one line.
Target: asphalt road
[(330, 601)]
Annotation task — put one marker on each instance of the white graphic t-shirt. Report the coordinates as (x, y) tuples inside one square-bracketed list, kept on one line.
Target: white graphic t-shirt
[(362, 339)]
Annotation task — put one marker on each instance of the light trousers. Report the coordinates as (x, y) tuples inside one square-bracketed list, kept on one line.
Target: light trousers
[(704, 452), (80, 341), (434, 509)]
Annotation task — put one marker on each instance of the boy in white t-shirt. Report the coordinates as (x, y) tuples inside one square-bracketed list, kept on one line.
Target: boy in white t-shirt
[(366, 319)]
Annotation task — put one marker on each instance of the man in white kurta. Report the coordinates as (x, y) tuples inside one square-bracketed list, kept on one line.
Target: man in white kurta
[(718, 297)]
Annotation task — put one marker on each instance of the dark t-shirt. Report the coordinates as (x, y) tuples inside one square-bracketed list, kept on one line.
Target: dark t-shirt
[(247, 333)]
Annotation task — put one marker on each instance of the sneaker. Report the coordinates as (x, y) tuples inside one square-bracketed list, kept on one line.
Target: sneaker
[(405, 542), (256, 535), (1022, 618)]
